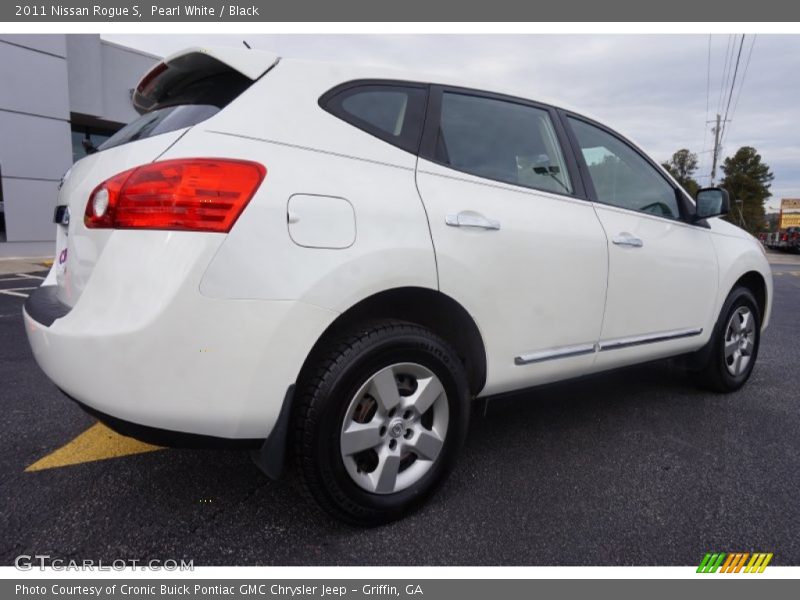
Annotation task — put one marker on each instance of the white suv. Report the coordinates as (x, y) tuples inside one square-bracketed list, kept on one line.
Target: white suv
[(332, 261)]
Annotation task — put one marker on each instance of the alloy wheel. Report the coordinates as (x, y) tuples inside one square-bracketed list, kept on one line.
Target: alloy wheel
[(740, 340), (394, 428)]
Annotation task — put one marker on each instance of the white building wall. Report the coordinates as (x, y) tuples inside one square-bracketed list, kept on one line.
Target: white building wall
[(45, 81), (34, 132), (102, 76)]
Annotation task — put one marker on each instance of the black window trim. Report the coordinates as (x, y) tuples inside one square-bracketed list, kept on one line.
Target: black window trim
[(578, 171), (681, 197), (368, 128), (430, 131)]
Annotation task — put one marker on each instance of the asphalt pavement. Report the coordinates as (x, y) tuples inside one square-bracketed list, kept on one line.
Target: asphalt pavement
[(635, 467)]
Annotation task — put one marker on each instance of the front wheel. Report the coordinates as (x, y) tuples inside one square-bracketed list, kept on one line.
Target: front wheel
[(380, 418), (734, 344)]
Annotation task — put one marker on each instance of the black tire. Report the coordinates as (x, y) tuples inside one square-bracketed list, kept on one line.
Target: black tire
[(324, 394), (714, 373)]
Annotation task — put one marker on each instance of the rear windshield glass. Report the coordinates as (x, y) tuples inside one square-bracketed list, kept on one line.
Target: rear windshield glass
[(187, 106), (161, 120)]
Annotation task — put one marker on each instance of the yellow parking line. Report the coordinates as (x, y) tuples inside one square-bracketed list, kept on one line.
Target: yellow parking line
[(96, 443)]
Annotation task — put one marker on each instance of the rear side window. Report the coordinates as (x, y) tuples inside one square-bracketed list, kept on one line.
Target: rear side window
[(391, 112), (501, 140), (182, 106)]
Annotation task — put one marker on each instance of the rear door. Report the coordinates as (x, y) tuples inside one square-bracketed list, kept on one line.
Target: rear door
[(516, 242), (662, 278)]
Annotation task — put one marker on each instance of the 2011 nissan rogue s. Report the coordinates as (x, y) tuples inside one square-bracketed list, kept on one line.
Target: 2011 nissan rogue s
[(329, 262)]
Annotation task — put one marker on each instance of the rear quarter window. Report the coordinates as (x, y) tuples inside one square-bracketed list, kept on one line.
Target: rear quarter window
[(393, 112)]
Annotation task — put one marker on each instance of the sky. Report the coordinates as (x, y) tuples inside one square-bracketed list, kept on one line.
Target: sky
[(659, 90)]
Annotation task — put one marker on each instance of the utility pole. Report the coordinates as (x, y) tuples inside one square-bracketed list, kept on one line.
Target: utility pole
[(716, 151), (715, 154)]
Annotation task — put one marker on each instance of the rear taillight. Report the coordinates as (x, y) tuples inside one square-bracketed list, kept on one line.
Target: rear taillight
[(191, 194)]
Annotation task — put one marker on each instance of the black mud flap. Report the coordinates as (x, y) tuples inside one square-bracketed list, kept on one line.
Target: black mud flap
[(271, 457)]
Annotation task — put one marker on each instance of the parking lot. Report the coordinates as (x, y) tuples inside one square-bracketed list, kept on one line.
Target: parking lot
[(636, 467)]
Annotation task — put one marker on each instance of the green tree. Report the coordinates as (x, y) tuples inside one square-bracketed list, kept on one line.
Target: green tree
[(747, 179), (682, 167)]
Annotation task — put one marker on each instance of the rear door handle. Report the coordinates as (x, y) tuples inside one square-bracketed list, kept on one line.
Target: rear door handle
[(626, 239), (470, 219)]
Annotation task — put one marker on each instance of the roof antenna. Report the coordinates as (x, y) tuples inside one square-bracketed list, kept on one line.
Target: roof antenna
[(246, 44)]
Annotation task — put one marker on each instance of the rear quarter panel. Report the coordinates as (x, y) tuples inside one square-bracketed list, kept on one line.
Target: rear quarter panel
[(309, 151)]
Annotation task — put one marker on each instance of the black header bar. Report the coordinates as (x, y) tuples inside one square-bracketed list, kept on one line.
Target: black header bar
[(256, 11)]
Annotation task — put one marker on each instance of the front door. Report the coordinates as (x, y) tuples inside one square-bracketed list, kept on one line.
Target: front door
[(662, 278)]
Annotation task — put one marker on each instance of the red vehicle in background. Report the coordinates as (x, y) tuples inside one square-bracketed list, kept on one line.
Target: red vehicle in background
[(787, 238)]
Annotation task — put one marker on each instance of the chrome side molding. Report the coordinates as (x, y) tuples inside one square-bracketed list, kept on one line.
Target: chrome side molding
[(616, 344), (563, 352), (650, 338)]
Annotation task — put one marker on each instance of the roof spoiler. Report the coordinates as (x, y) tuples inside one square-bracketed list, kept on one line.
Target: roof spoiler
[(190, 65)]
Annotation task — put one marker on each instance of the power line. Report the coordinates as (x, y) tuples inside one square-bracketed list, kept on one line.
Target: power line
[(730, 74), (725, 72), (708, 97), (723, 85), (733, 85), (708, 75), (744, 76)]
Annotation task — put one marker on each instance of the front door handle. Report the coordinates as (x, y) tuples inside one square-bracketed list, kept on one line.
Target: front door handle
[(471, 219), (626, 239)]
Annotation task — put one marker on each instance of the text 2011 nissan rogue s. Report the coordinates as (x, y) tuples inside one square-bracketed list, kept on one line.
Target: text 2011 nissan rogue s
[(329, 262)]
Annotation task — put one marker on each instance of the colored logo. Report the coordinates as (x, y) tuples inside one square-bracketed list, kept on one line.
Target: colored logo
[(735, 562)]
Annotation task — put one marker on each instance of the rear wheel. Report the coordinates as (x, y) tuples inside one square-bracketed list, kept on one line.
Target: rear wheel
[(379, 421), (734, 345)]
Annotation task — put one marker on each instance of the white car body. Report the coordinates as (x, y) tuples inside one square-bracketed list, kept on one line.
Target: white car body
[(204, 333)]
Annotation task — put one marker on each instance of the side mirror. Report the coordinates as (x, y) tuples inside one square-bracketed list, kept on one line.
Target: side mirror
[(711, 202)]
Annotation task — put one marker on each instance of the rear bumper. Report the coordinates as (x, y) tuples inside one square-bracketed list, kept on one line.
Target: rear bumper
[(165, 437), (215, 368), (142, 345)]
